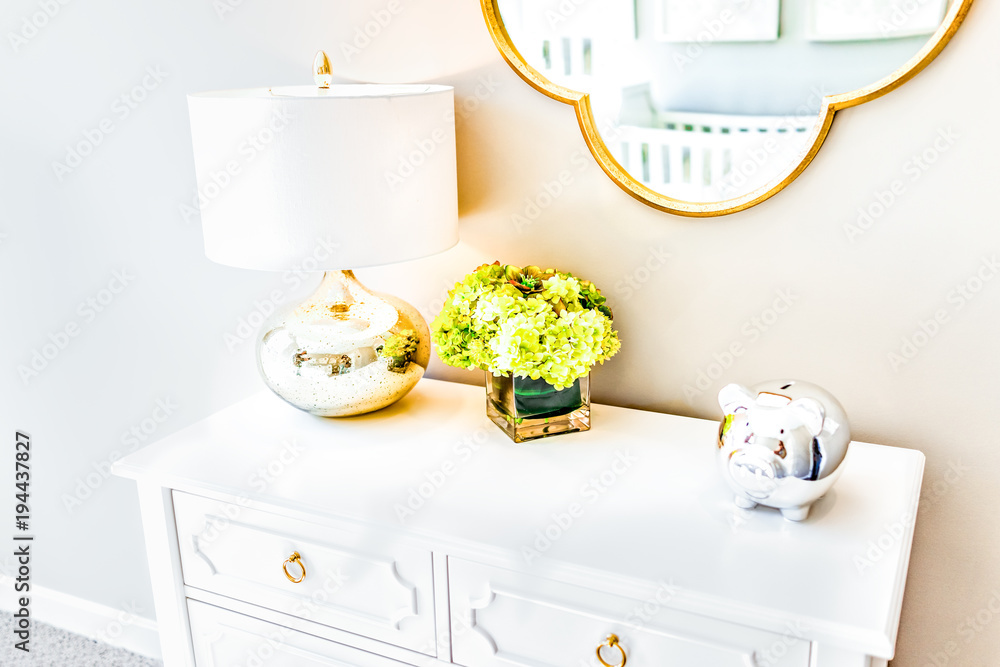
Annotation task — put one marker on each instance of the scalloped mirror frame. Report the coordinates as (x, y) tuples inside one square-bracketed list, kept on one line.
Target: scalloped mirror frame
[(830, 105)]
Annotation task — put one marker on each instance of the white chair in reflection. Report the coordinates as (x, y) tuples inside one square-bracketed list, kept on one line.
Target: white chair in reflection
[(709, 157)]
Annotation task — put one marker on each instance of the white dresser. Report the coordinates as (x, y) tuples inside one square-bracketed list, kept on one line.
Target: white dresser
[(428, 538)]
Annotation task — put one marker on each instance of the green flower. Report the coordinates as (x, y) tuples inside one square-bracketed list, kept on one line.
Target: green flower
[(398, 348), (527, 280), (592, 299), (526, 322)]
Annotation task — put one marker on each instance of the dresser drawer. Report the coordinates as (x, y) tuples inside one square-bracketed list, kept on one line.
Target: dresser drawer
[(223, 638), (500, 618), (362, 581)]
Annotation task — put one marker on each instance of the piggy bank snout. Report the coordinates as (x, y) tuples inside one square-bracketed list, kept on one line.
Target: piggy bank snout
[(755, 471)]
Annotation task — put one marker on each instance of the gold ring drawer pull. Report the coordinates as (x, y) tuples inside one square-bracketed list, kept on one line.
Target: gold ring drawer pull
[(297, 559), (611, 642)]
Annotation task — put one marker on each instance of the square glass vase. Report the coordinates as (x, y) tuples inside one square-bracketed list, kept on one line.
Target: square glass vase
[(529, 409)]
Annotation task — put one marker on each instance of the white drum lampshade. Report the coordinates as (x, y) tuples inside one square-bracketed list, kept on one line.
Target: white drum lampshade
[(333, 178), (370, 166)]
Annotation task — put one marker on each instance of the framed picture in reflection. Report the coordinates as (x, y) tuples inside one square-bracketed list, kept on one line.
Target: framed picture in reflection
[(707, 21), (873, 20)]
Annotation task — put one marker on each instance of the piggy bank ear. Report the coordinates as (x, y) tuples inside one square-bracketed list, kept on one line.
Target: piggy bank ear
[(733, 397), (810, 412)]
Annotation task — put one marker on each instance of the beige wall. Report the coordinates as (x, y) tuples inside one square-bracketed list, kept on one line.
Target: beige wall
[(164, 336)]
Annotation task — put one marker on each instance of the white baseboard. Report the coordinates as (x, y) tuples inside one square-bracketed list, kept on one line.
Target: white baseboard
[(117, 627)]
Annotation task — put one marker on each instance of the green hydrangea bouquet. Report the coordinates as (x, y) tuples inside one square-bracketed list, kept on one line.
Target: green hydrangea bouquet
[(526, 322)]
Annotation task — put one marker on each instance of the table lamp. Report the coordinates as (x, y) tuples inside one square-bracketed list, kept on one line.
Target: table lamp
[(346, 176)]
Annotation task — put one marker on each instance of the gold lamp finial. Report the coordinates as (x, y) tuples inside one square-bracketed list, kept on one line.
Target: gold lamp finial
[(322, 74)]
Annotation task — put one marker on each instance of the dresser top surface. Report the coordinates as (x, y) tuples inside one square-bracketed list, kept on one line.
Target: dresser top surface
[(639, 498)]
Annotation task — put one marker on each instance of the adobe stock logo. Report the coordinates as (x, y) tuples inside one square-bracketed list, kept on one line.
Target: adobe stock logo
[(751, 331), (971, 627), (422, 151), (911, 171), (121, 108), (88, 484), (549, 192), (213, 185), (877, 548), (32, 25), (956, 300), (88, 309), (632, 282), (713, 30), (411, 160), (371, 30), (434, 480), (591, 492)]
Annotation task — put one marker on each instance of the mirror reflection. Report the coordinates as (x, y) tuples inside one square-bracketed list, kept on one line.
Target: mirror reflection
[(709, 100)]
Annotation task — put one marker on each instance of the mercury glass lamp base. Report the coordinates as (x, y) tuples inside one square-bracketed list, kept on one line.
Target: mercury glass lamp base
[(345, 350)]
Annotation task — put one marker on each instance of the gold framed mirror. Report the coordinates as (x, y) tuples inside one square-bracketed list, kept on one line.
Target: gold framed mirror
[(708, 107)]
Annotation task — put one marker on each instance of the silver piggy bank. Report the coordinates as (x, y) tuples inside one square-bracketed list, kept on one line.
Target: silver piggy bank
[(781, 444)]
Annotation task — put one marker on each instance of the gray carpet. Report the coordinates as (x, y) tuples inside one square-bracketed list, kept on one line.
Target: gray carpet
[(52, 647)]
